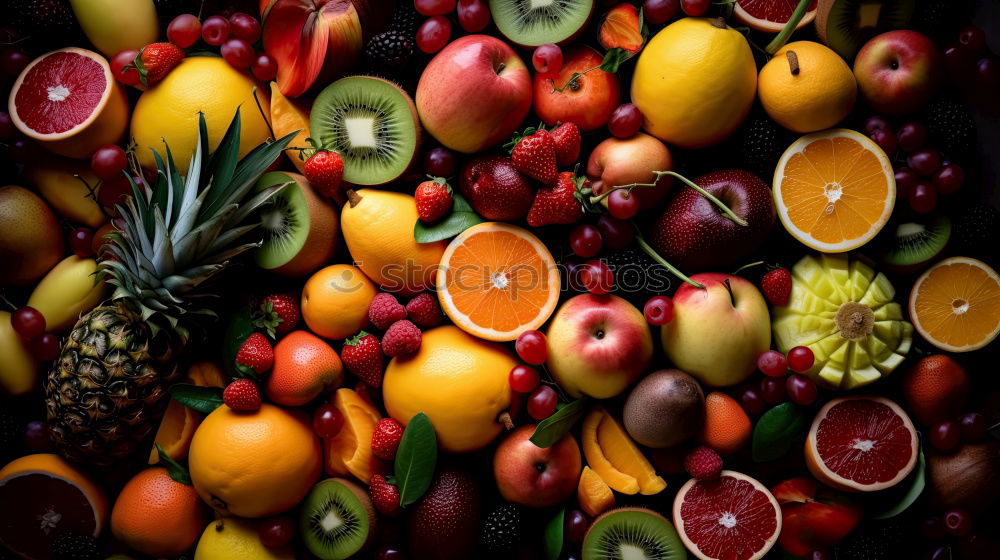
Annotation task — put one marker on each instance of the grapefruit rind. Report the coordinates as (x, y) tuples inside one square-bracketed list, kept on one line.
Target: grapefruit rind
[(767, 25), (922, 329)]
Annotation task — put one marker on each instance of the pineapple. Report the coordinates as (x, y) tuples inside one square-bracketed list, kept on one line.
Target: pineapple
[(845, 313), (108, 388)]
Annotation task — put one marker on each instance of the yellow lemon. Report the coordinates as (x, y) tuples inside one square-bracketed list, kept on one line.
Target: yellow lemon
[(236, 539), (695, 82), (458, 381), (807, 87), (169, 110)]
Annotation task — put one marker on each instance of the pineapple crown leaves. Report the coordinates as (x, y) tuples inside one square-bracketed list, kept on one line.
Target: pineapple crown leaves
[(182, 231)]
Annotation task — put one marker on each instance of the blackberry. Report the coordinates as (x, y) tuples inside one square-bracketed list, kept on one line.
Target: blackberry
[(637, 276), (875, 541), (73, 546), (951, 126), (391, 50), (502, 528), (47, 19), (404, 19), (762, 143), (976, 230), (941, 20)]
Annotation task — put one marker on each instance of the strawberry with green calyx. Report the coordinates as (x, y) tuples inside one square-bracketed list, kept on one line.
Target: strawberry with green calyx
[(325, 172), (277, 315), (433, 199), (362, 356), (255, 354), (155, 61), (533, 153), (560, 203), (385, 496)]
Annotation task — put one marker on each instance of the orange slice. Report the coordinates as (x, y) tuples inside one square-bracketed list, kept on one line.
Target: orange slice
[(955, 305), (497, 280), (771, 15), (834, 190)]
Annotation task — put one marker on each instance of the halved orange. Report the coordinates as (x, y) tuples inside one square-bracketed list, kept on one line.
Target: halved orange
[(497, 280), (771, 15), (834, 190), (955, 304)]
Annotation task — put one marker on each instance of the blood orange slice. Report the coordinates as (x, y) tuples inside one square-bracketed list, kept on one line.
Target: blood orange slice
[(733, 518), (771, 15), (861, 444), (68, 101)]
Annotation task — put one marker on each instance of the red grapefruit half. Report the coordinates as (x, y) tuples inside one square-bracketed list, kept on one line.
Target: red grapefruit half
[(68, 101), (861, 444), (733, 518), (771, 15)]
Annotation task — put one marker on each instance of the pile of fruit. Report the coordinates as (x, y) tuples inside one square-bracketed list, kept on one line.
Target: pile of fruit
[(539, 279)]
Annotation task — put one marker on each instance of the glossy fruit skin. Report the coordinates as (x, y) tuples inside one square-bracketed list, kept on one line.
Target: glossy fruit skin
[(585, 240), (974, 426), (524, 379), (875, 123), (28, 323), (532, 347), (625, 121), (215, 30), (925, 162), (46, 347), (772, 390), (327, 421), (542, 402), (958, 522), (945, 436), (973, 39), (434, 34), (81, 240), (813, 516), (184, 30), (906, 179), (658, 311), (695, 8), (615, 233), (801, 390), (596, 277), (276, 532), (772, 363), (752, 400), (108, 162), (244, 26), (923, 197), (800, 359), (547, 58), (128, 77), (576, 526), (238, 53), (439, 162), (885, 140), (473, 15), (434, 7), (264, 68), (660, 11), (949, 178), (912, 136)]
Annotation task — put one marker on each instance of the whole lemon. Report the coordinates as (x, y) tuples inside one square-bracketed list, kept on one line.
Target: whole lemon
[(335, 301), (254, 464), (169, 110), (378, 228), (807, 87), (236, 539), (458, 381), (695, 82)]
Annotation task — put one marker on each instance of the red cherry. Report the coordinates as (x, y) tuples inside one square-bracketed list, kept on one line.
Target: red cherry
[(772, 389), (433, 34), (328, 421), (28, 323), (949, 178), (532, 347), (13, 62), (264, 68), (473, 15), (585, 240), (625, 121), (596, 277), (885, 140), (36, 436), (752, 400), (622, 205), (615, 233), (695, 8), (439, 162), (912, 136), (658, 311), (945, 436), (958, 522), (542, 403), (906, 179), (547, 58), (923, 197), (276, 532), (434, 7), (800, 359), (974, 426), (973, 40), (524, 379), (801, 390), (238, 53), (45, 348), (215, 30), (244, 26), (184, 30), (108, 162), (576, 526), (82, 242), (659, 11), (925, 162), (772, 363), (128, 77)]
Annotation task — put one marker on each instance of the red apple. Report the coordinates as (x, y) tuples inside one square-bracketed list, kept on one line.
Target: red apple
[(621, 162), (813, 516), (598, 345), (898, 71), (588, 101), (495, 189), (536, 476), (474, 93)]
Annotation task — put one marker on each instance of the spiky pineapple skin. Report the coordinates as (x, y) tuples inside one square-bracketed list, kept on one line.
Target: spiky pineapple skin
[(107, 391)]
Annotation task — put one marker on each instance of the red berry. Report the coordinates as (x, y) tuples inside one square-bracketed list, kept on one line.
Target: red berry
[(238, 53), (752, 400), (772, 363), (949, 178), (433, 34), (125, 58), (695, 8), (923, 197), (184, 30), (801, 390), (532, 347), (328, 421), (945, 436), (958, 522), (659, 11), (800, 359), (547, 58), (777, 286), (386, 437), (434, 7), (885, 140), (925, 162), (906, 179), (36, 436), (576, 526), (81, 240), (772, 390), (585, 240), (424, 311), (325, 171), (439, 162), (622, 205), (385, 496), (625, 121), (401, 338), (256, 353), (384, 310), (542, 403), (524, 379), (244, 26), (264, 68), (473, 15), (973, 40), (658, 311), (28, 323), (108, 162), (615, 233), (974, 426), (875, 123), (215, 30), (45, 348), (276, 532), (596, 277), (242, 395), (912, 136), (703, 463)]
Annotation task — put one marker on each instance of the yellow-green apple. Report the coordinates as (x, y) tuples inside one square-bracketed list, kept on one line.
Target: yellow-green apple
[(813, 516), (536, 476), (579, 92), (718, 331), (617, 162), (898, 71), (598, 345), (474, 93)]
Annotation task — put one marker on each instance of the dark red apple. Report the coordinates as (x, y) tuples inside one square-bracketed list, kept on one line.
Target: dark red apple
[(693, 234), (495, 189), (813, 517), (898, 71)]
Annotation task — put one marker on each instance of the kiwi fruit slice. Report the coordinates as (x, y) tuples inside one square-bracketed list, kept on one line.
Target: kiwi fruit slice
[(337, 520), (628, 533), (537, 22), (371, 123), (846, 25), (914, 243), (300, 227)]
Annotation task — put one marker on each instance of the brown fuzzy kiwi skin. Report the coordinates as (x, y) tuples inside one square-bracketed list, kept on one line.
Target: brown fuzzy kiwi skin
[(968, 478), (823, 8), (324, 229), (664, 409)]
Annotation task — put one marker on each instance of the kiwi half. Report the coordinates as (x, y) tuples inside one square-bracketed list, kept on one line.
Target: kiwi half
[(915, 243), (371, 123), (337, 520), (846, 25), (629, 533), (300, 227), (538, 22)]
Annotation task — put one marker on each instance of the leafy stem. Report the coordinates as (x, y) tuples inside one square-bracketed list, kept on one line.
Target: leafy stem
[(656, 257), (721, 205), (793, 22)]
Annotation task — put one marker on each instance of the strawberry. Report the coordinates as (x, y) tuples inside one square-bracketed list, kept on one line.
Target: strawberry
[(777, 286), (558, 203), (535, 156), (362, 356), (433, 199), (242, 394), (325, 172), (567, 139), (386, 437), (256, 353), (278, 314), (155, 61), (385, 496)]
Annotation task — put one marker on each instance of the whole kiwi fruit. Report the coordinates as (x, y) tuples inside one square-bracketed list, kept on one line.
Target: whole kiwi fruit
[(967, 479), (664, 409)]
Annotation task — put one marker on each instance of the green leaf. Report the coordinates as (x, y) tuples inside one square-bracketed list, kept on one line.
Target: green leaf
[(240, 327), (776, 431), (461, 218), (553, 428), (415, 459), (917, 482), (202, 399), (613, 59), (553, 538), (174, 469)]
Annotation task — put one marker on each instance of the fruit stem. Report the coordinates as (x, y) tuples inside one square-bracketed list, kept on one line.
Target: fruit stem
[(746, 266), (505, 419), (656, 257), (729, 288), (722, 206), (629, 187), (793, 62), (353, 198), (786, 32), (719, 22)]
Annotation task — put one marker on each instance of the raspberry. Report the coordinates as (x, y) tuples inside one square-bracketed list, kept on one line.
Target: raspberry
[(386, 437), (403, 337), (424, 311), (703, 463), (385, 310)]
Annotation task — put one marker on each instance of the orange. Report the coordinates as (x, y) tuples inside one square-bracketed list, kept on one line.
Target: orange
[(335, 301), (179, 422), (727, 427), (497, 280), (936, 389), (304, 365), (156, 515), (955, 305), (834, 190), (350, 451), (593, 493), (807, 87), (254, 464)]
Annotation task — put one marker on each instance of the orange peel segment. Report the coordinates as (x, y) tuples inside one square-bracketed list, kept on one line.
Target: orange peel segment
[(350, 451), (593, 493), (614, 478), (623, 453)]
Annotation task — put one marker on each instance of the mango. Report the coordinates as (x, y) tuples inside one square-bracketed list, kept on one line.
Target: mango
[(288, 116), (350, 451), (18, 369), (614, 478), (57, 182), (616, 458), (117, 25), (66, 292)]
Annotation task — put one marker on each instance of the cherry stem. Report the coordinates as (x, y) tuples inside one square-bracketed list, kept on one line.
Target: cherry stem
[(786, 32), (722, 206), (656, 257), (746, 266), (505, 419)]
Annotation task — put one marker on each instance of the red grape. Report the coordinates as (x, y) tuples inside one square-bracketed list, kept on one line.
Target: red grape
[(128, 77), (912, 136), (973, 40), (973, 425), (596, 277), (622, 205), (576, 526), (800, 359), (958, 522), (960, 63), (988, 73), (184, 30), (945, 436), (751, 400), (28, 323), (923, 197), (434, 7), (906, 178), (45, 348), (925, 162), (328, 421), (524, 379), (949, 178), (616, 234), (885, 140), (276, 532), (772, 389), (585, 240), (933, 528), (13, 62), (876, 123), (390, 552), (695, 8), (819, 555), (7, 129), (264, 68), (433, 34), (36, 436), (215, 30), (244, 26), (473, 15), (801, 390), (659, 11), (547, 58), (238, 53), (625, 121), (659, 310), (81, 240), (542, 403), (772, 363), (439, 162), (532, 347), (108, 162)]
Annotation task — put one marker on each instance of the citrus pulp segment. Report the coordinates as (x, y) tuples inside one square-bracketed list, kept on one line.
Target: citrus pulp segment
[(771, 15), (955, 304)]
